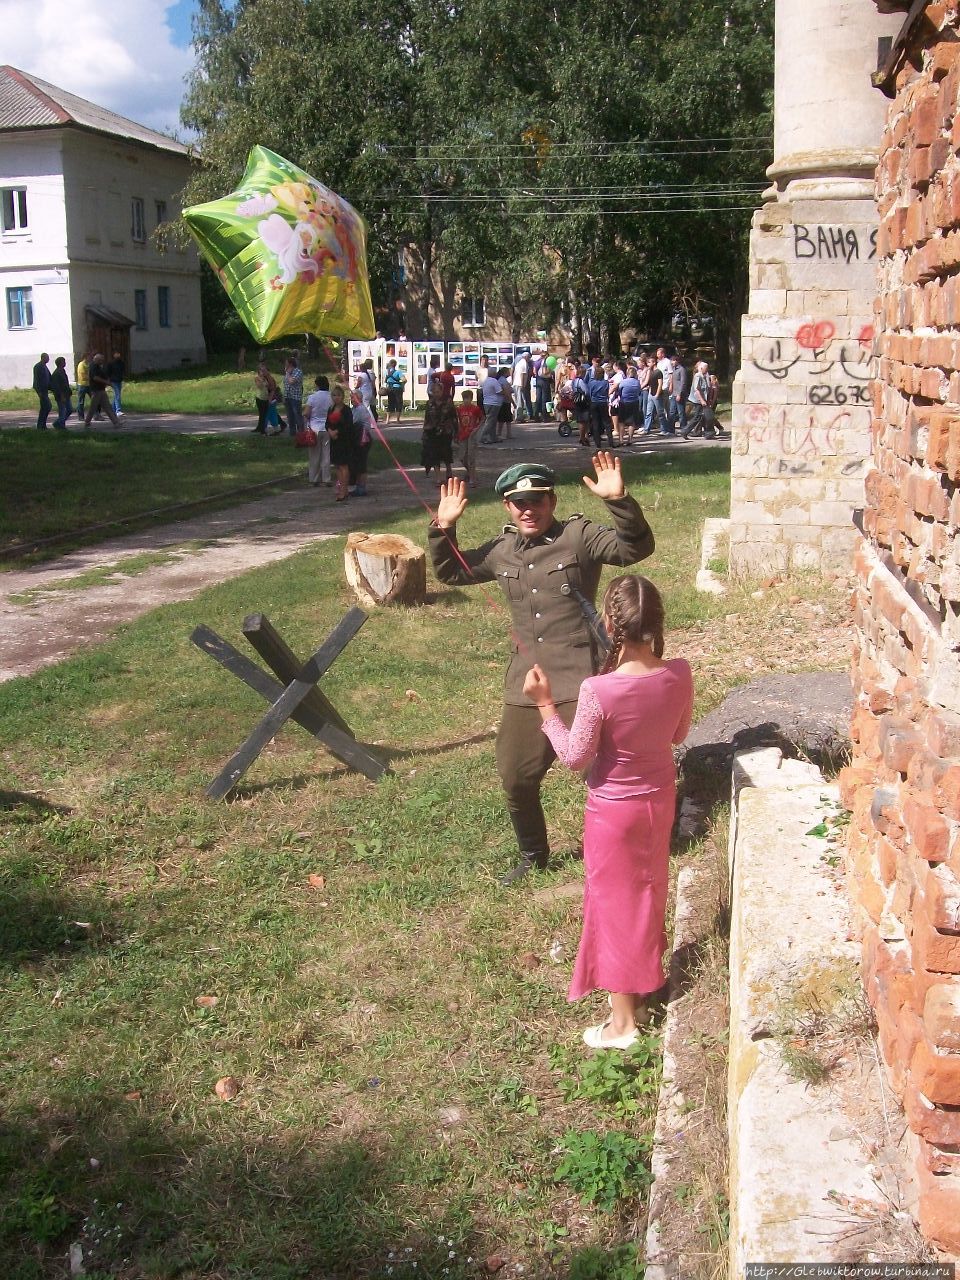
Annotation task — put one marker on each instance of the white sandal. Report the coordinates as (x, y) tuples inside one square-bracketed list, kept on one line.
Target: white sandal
[(593, 1038)]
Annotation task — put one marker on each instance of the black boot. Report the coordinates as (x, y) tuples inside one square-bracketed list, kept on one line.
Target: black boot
[(528, 862)]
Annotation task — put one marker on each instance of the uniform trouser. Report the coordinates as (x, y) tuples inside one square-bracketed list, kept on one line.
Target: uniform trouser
[(524, 755)]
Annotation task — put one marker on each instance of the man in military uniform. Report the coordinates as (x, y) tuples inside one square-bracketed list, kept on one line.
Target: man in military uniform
[(549, 570)]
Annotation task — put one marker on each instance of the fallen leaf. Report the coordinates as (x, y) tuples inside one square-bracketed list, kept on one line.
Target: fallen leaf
[(411, 695), (133, 1096), (317, 882), (227, 1088), (206, 1002)]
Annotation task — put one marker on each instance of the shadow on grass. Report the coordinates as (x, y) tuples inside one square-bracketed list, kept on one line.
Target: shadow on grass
[(36, 807), (387, 754), (36, 921), (142, 1195)]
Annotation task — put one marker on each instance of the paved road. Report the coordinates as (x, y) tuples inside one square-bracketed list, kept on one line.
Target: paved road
[(43, 622)]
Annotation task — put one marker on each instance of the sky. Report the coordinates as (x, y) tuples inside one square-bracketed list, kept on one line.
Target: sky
[(130, 56)]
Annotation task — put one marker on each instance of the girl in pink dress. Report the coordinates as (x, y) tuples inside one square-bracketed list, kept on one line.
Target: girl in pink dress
[(628, 718)]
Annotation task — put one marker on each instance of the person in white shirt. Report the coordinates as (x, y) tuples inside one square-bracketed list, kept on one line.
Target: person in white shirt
[(521, 388), (315, 417)]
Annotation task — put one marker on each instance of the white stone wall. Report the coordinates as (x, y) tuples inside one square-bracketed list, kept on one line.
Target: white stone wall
[(35, 258), (801, 413), (801, 400)]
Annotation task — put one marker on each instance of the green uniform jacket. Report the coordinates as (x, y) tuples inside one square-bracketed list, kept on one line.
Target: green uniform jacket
[(539, 577)]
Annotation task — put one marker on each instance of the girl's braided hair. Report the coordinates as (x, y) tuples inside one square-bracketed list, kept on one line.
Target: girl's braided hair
[(635, 611)]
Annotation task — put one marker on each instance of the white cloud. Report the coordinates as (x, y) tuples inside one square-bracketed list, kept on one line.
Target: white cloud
[(117, 53)]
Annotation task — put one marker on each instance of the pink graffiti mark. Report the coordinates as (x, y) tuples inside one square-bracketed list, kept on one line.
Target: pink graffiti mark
[(806, 440), (866, 335), (814, 337)]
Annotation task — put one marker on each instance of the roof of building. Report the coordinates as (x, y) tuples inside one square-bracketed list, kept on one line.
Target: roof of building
[(27, 102)]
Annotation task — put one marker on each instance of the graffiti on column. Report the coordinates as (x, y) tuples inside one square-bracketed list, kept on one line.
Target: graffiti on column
[(800, 444), (836, 372), (834, 244)]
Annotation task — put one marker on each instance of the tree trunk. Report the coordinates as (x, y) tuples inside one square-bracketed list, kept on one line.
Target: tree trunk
[(384, 569)]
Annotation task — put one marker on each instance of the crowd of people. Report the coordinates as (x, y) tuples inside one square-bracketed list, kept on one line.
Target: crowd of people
[(98, 379)]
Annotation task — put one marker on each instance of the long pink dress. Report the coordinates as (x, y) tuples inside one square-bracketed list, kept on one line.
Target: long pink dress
[(626, 726)]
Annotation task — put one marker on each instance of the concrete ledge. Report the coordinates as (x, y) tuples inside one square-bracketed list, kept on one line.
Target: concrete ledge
[(793, 1157), (716, 533)]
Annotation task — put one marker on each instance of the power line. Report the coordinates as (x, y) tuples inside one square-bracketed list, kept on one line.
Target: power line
[(574, 197), (442, 149)]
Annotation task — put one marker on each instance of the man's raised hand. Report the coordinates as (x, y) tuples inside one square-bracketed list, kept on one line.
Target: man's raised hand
[(609, 481), (453, 502)]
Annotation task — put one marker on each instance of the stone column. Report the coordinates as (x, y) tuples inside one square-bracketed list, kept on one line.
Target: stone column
[(801, 400)]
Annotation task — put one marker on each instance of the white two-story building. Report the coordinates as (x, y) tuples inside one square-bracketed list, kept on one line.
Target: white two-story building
[(82, 193)]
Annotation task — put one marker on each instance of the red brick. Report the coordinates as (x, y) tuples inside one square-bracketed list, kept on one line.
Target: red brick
[(935, 1124), (936, 1075), (934, 949), (941, 1016), (938, 1209), (937, 1159), (949, 794), (941, 891), (852, 778), (943, 58), (928, 830), (925, 770)]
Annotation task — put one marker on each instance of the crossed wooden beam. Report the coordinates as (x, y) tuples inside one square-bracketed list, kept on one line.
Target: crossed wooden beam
[(293, 696)]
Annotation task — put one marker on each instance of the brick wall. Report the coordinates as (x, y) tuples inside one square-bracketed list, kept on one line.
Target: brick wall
[(903, 785)]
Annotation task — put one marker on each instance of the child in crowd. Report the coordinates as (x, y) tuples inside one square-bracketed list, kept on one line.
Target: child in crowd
[(628, 718), (470, 416)]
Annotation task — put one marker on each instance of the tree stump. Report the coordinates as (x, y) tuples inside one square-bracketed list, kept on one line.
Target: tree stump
[(385, 568)]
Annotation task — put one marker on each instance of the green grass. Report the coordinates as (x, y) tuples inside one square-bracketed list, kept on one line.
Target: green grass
[(52, 483), (412, 1086)]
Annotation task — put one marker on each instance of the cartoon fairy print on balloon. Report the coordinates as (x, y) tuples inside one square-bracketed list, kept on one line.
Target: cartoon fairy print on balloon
[(290, 252)]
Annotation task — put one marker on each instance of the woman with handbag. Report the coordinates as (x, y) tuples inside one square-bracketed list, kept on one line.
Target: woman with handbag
[(342, 435)]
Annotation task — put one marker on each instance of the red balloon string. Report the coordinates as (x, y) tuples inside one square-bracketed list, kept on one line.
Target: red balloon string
[(492, 601)]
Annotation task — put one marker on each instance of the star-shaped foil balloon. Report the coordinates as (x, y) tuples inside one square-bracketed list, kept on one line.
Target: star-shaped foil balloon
[(290, 252)]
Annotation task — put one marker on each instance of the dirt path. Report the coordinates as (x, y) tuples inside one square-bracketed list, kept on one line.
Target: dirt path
[(49, 611)]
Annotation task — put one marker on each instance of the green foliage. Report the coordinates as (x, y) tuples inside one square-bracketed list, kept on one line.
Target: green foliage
[(34, 1211), (605, 1168), (626, 1082), (512, 1093), (622, 1262)]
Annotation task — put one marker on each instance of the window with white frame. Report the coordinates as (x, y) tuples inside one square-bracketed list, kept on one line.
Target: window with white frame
[(13, 204), (472, 313), (138, 222), (20, 308), (163, 306), (140, 308)]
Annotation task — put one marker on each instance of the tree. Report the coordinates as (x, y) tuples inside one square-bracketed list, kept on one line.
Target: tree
[(542, 168)]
